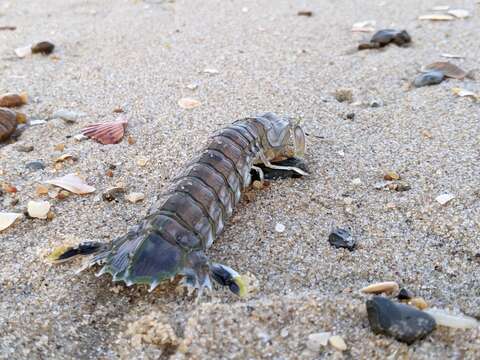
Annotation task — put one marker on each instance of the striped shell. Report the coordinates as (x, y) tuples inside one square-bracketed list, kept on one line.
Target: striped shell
[(106, 133)]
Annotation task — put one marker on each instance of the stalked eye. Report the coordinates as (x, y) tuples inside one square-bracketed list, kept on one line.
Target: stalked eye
[(221, 275)]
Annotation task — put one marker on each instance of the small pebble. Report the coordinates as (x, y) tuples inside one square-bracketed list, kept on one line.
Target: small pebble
[(391, 175), (67, 115), (357, 182), (405, 294), (344, 95), (80, 137), (279, 227), (337, 342), (341, 238), (387, 287), (24, 148), (376, 103), (317, 340), (38, 209), (400, 321), (419, 303), (41, 190), (44, 47), (351, 116), (387, 36), (113, 193), (135, 197), (432, 77), (444, 318), (35, 165)]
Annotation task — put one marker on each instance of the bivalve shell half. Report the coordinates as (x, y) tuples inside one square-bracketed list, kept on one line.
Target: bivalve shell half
[(106, 133)]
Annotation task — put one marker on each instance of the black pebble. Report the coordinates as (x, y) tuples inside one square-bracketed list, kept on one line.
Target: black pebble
[(351, 116), (400, 321), (341, 238), (432, 77), (405, 294), (35, 165), (386, 36)]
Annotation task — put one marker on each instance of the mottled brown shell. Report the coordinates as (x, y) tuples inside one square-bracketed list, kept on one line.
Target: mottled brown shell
[(13, 100), (8, 123)]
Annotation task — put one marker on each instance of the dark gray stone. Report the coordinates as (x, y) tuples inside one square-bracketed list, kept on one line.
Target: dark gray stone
[(35, 165), (402, 322), (432, 77), (405, 294), (341, 238)]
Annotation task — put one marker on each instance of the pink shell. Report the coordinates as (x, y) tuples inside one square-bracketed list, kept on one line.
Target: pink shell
[(106, 133)]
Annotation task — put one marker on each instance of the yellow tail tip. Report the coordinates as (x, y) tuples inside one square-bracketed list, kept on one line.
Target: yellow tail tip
[(242, 286), (55, 256)]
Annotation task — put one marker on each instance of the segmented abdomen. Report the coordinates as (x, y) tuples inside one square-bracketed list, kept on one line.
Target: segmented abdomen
[(203, 196)]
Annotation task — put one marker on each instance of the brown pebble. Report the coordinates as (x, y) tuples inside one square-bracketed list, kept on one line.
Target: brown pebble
[(131, 140), (344, 95), (109, 173), (50, 216), (118, 110), (43, 47), (419, 303), (59, 147), (41, 190), (307, 13), (9, 188), (13, 100), (391, 175), (62, 194)]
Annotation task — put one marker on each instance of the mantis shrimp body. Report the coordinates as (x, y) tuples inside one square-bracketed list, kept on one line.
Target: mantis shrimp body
[(185, 220)]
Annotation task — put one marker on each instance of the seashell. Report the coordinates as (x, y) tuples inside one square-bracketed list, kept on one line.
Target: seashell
[(448, 69), (23, 51), (188, 103), (445, 318), (13, 100), (7, 219), (43, 47), (8, 123), (387, 287), (106, 133), (436, 17), (73, 183), (135, 197)]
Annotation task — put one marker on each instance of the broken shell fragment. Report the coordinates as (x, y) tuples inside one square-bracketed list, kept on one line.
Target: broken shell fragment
[(13, 100), (73, 183), (38, 209), (338, 343), (8, 123), (135, 197), (106, 133), (444, 198), (444, 318), (23, 51), (465, 93), (436, 17), (43, 47), (188, 103), (387, 287), (7, 219)]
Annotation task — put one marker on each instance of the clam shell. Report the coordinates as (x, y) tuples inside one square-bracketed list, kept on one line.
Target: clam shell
[(7, 219), (8, 123), (106, 133), (448, 69), (73, 183)]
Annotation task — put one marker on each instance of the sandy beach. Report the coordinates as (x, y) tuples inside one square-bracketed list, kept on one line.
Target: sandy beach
[(140, 56)]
